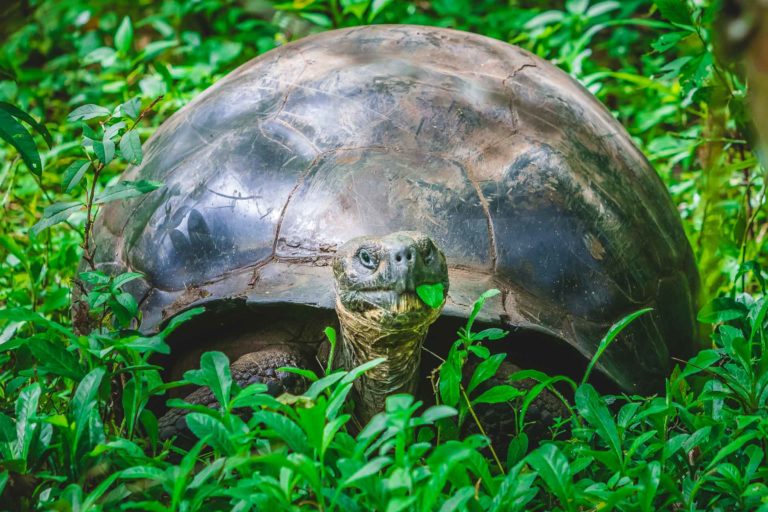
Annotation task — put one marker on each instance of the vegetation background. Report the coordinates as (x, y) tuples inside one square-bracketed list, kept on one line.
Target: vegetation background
[(83, 83)]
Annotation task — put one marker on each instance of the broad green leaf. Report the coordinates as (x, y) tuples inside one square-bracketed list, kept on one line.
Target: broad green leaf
[(438, 412), (104, 150), (124, 36), (722, 309), (700, 362), (374, 427), (127, 301), (756, 318), (601, 8), (448, 454), (609, 337), (208, 473), (515, 492), (555, 472), (98, 492), (131, 396), (668, 40), (142, 472), (756, 270), (182, 318), (56, 213), (596, 413), (649, 480), (330, 333), (485, 371), (545, 384), (55, 358), (94, 277), (398, 503), (398, 402), (732, 447), (146, 344), (544, 19), (676, 11), (371, 468), (26, 428), (12, 132), (480, 351), (85, 112), (322, 384), (83, 401), (498, 394), (478, 306), (450, 379), (104, 56), (7, 333), (130, 147), (131, 108), (307, 374), (126, 190), (576, 6), (126, 277), (377, 6), (212, 430), (20, 114), (331, 430), (7, 429), (286, 430), (358, 371), (27, 315), (12, 247), (74, 173), (316, 18), (517, 449), (214, 373), (113, 129), (433, 295), (355, 7), (155, 48), (491, 334), (459, 499)]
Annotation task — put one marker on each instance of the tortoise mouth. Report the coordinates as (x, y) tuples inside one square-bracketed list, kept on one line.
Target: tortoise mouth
[(394, 301), (387, 310)]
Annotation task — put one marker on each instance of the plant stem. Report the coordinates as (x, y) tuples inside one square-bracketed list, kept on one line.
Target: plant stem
[(482, 430)]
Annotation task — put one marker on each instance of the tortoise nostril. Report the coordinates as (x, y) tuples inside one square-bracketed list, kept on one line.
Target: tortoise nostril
[(404, 256)]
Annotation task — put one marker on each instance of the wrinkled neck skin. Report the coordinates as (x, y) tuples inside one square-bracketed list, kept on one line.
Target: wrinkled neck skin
[(371, 335)]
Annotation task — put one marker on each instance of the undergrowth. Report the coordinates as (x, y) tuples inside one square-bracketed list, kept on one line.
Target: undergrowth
[(81, 435)]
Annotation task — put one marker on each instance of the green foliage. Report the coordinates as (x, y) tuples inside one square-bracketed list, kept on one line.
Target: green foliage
[(84, 83), (433, 295), (700, 446)]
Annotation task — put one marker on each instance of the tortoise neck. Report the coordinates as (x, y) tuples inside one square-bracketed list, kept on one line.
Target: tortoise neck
[(364, 339)]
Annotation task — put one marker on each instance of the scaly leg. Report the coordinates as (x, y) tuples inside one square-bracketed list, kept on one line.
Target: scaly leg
[(260, 366)]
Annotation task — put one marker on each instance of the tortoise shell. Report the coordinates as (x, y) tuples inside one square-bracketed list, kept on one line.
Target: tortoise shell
[(523, 178)]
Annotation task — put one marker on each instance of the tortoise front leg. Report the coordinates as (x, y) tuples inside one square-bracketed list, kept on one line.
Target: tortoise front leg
[(260, 366)]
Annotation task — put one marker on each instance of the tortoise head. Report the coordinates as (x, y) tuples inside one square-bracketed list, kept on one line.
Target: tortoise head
[(377, 277), (380, 312)]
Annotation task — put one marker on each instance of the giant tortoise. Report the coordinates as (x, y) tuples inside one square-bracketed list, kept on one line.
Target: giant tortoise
[(342, 171)]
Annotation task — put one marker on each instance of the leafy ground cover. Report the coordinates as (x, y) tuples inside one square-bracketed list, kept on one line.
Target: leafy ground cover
[(83, 85)]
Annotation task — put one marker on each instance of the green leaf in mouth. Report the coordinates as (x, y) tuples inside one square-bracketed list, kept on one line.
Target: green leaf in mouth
[(431, 294)]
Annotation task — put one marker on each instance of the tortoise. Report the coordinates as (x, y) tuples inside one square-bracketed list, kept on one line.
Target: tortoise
[(351, 147)]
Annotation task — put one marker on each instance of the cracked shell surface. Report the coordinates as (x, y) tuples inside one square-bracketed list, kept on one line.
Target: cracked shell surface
[(521, 176)]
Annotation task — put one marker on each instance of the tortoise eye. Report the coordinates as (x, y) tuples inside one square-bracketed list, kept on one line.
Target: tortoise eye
[(367, 259)]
